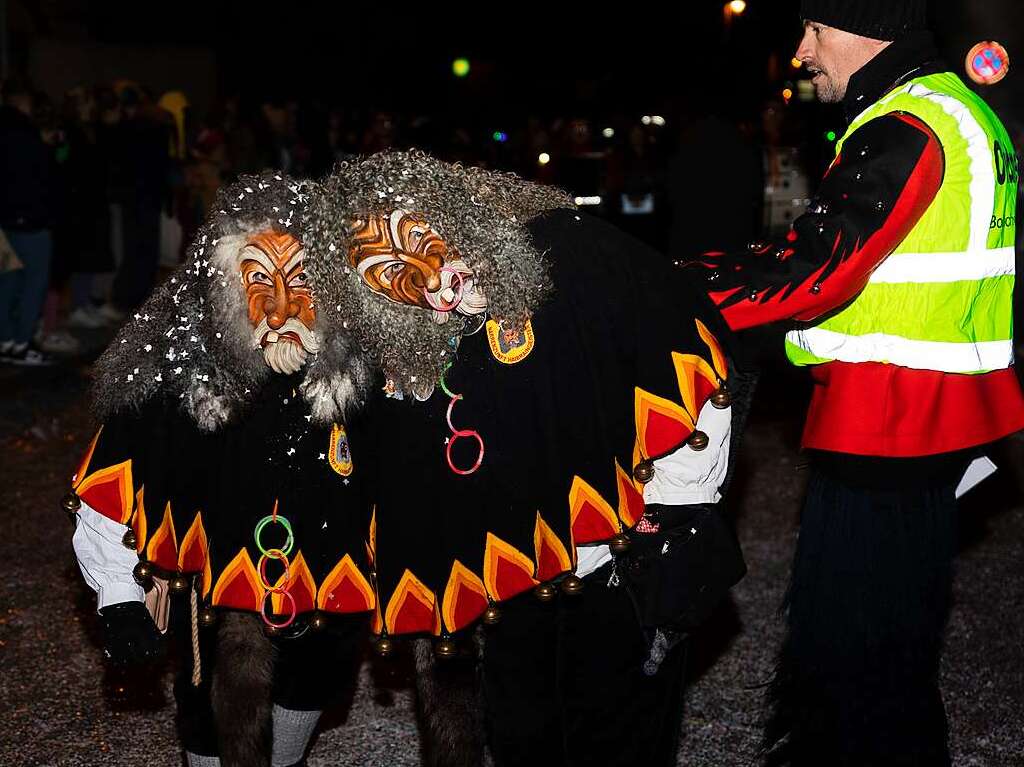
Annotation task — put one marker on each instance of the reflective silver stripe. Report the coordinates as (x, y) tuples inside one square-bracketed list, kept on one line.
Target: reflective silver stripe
[(945, 267), (983, 177), (943, 356)]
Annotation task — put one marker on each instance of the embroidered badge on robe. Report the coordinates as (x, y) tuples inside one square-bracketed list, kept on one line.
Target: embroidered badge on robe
[(509, 346), (340, 456)]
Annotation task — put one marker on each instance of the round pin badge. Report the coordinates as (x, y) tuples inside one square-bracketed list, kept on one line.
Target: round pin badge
[(987, 63)]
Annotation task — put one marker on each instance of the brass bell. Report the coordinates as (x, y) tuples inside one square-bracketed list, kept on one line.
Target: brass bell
[(207, 617), (572, 585), (179, 584), (545, 592), (143, 573), (271, 630), (619, 545), (644, 471), (721, 399), (492, 615), (698, 440), (384, 647), (129, 540), (71, 503), (318, 621), (446, 649)]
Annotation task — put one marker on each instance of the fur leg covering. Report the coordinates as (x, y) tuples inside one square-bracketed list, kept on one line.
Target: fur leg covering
[(241, 691), (450, 706)]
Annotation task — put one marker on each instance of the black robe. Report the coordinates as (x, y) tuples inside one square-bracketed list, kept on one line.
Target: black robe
[(624, 355), (194, 500)]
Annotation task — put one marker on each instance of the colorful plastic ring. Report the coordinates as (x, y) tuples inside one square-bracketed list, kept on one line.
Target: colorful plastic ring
[(289, 541), (292, 608)]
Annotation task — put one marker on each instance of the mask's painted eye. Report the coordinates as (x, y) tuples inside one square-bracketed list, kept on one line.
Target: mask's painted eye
[(256, 277), (415, 238), (300, 280), (391, 271)]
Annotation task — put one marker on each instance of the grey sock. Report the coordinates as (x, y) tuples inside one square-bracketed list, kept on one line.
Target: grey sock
[(198, 760), (292, 732)]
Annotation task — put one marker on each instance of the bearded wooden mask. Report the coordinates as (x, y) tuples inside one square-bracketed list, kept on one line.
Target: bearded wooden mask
[(279, 301), (399, 256)]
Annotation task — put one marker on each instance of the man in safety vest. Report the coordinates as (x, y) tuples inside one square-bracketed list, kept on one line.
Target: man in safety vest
[(900, 275)]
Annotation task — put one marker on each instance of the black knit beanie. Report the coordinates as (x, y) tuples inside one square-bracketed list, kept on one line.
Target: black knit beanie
[(877, 19)]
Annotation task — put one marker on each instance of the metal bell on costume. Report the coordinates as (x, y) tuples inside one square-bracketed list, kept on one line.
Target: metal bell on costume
[(545, 592), (492, 615), (143, 573), (207, 617), (644, 471), (698, 440), (619, 545), (179, 584), (129, 540), (572, 585), (446, 648), (384, 647), (318, 621), (71, 503), (721, 399)]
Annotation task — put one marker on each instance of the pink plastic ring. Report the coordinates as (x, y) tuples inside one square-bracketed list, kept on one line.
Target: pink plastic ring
[(464, 434), (458, 293), (451, 404), (263, 570), (291, 618)]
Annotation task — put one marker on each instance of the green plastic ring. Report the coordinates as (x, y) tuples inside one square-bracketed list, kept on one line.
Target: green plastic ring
[(289, 542)]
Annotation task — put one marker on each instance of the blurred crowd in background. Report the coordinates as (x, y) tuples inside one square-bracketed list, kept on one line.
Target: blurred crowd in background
[(104, 188)]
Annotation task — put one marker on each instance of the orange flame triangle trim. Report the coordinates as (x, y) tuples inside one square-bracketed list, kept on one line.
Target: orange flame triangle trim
[(514, 578), (592, 518), (689, 370), (139, 520), (411, 609), (345, 589), (549, 552), (300, 585), (163, 546), (83, 466), (110, 492), (239, 585), (717, 357), (465, 597), (195, 552), (631, 499), (661, 425)]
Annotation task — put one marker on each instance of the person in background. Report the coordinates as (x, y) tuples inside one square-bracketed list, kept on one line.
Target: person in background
[(26, 218), (143, 163), (83, 231)]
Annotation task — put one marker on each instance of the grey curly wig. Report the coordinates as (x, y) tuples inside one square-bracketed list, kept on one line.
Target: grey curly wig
[(480, 214), (192, 338)]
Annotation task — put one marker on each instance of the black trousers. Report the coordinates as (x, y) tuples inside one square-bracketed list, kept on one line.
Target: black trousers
[(857, 678), (564, 683)]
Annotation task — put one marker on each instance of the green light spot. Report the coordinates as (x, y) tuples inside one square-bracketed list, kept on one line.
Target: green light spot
[(831, 135), (460, 67)]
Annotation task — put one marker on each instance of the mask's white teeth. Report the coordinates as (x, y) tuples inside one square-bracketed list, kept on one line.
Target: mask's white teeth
[(273, 337)]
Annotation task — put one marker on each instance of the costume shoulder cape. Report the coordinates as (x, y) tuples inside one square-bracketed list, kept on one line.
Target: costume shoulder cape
[(614, 368), (194, 501)]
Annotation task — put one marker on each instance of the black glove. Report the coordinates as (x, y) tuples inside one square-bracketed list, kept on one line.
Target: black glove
[(130, 636)]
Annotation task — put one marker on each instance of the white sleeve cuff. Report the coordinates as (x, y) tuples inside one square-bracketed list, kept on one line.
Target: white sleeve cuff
[(690, 476), (105, 562)]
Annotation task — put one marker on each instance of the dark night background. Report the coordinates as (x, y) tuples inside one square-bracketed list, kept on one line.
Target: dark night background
[(300, 85)]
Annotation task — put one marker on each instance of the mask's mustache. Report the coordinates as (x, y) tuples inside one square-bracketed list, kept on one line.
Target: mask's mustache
[(285, 358), (306, 336)]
